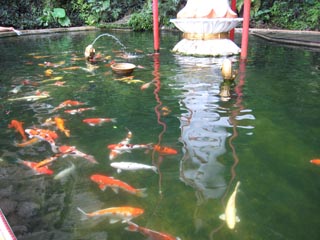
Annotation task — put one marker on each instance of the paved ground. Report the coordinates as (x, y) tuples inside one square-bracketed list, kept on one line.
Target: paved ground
[(301, 38)]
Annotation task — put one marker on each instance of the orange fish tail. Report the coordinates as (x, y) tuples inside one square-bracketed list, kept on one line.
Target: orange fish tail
[(132, 227)]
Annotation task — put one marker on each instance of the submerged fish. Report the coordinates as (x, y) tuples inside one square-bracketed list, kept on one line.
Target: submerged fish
[(315, 161), (60, 125), (115, 214), (19, 128), (164, 150), (115, 184), (230, 212), (74, 152), (31, 97), (27, 143), (151, 234), (65, 172), (79, 110), (98, 121), (43, 135), (132, 166), (36, 170)]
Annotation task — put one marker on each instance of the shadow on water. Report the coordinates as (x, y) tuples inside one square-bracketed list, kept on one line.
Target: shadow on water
[(263, 135)]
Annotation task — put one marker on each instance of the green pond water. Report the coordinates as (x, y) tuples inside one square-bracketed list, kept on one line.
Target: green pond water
[(263, 136)]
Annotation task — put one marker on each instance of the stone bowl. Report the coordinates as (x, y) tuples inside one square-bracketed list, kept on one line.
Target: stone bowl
[(123, 68)]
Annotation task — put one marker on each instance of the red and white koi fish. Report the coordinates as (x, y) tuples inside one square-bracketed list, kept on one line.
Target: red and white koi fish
[(151, 234), (315, 161), (120, 148), (19, 128), (44, 135), (98, 121), (105, 181), (68, 103), (163, 150), (79, 110), (36, 170), (115, 214), (74, 152), (114, 153)]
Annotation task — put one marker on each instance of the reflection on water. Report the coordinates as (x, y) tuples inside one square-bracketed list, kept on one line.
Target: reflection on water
[(203, 130)]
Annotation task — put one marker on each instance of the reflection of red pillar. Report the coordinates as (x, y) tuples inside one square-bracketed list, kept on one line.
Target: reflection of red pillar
[(156, 41), (245, 29), (234, 8)]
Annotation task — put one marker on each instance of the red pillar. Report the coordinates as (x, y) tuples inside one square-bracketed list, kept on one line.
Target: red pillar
[(245, 30), (234, 8), (156, 41)]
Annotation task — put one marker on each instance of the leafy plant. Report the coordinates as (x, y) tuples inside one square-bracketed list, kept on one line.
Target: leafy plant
[(55, 15), (142, 21)]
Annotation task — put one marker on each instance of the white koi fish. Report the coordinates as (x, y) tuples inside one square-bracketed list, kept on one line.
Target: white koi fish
[(132, 166), (230, 212), (65, 172)]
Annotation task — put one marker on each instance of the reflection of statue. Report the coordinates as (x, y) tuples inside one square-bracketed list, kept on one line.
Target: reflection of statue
[(207, 9)]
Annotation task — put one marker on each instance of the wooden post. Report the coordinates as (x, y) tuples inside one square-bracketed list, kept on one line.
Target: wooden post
[(234, 8), (245, 29), (156, 41)]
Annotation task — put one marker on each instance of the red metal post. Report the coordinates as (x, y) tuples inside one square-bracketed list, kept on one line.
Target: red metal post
[(156, 41), (234, 8), (245, 29)]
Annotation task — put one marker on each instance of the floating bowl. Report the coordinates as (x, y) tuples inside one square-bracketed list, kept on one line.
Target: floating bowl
[(123, 68)]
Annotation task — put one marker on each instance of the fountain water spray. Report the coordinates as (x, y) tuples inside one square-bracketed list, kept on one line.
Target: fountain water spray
[(90, 51)]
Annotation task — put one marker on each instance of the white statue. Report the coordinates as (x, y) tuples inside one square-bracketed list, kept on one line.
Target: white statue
[(207, 9)]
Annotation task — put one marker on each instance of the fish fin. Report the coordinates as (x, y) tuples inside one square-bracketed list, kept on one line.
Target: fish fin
[(237, 219), (85, 215), (102, 187), (141, 192), (113, 220), (222, 217), (132, 227), (118, 170), (67, 133), (115, 189), (114, 120)]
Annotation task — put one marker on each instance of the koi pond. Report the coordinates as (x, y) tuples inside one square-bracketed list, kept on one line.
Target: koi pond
[(195, 146)]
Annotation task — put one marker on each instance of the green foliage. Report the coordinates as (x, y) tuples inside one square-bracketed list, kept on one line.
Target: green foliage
[(168, 10), (294, 15), (142, 21), (55, 15), (20, 14)]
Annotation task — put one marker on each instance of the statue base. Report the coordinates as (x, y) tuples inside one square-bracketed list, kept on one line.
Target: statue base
[(213, 47)]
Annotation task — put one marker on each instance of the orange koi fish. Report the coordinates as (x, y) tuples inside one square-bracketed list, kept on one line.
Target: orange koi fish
[(151, 234), (68, 103), (43, 135), (115, 214), (315, 161), (47, 161), (36, 170), (27, 143), (18, 126), (146, 85), (74, 152), (79, 110), (163, 150), (115, 184), (98, 121), (60, 125)]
